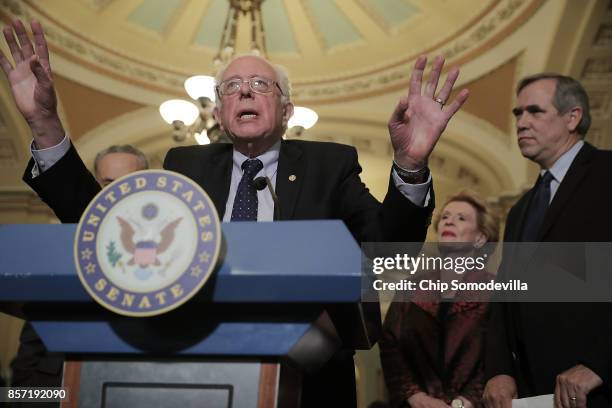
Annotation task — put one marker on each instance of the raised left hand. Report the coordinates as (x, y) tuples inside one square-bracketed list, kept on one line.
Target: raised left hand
[(418, 120), (573, 386), (31, 82)]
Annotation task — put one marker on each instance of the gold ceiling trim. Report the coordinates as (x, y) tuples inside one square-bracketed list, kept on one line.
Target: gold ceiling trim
[(406, 59), (507, 14), (380, 22), (88, 41), (80, 50), (386, 80)]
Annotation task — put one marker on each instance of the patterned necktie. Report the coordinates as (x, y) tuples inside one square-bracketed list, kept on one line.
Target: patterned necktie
[(245, 202), (537, 208)]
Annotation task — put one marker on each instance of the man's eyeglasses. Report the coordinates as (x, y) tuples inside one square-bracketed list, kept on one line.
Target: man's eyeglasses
[(257, 85)]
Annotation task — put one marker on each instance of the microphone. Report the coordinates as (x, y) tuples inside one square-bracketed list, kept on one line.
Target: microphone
[(260, 183)]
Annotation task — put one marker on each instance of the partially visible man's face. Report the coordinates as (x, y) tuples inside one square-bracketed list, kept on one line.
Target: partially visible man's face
[(543, 133), (115, 165), (248, 116)]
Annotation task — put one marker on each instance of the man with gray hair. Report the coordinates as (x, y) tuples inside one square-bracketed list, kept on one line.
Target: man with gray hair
[(117, 161), (561, 348), (313, 180)]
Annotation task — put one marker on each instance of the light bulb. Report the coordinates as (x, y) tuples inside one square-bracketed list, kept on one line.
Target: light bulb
[(199, 86), (179, 110), (304, 117)]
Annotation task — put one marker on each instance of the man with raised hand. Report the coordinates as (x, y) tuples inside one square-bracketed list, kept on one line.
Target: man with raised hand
[(313, 180)]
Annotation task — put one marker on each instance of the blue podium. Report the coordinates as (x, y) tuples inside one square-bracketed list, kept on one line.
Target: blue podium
[(284, 298)]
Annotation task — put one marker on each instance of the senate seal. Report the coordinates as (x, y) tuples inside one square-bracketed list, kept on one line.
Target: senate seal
[(147, 243)]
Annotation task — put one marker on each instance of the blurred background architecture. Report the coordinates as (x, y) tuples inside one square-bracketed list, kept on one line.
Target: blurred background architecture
[(116, 61)]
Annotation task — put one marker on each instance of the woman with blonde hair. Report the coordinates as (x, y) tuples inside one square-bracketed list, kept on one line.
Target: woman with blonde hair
[(432, 343)]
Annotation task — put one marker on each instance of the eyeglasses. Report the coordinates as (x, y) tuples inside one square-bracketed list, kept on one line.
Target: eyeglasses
[(256, 84)]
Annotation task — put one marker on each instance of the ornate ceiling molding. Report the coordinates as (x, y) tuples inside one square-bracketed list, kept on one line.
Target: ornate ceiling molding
[(479, 35), (488, 30), (82, 51), (594, 66)]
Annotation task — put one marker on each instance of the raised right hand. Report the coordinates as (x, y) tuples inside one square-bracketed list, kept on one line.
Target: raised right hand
[(499, 392), (422, 400), (31, 82)]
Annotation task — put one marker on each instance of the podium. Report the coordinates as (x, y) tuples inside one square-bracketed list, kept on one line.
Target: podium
[(284, 298)]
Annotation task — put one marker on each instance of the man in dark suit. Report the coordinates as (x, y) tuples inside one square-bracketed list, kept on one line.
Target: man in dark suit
[(313, 180), (34, 366), (561, 348)]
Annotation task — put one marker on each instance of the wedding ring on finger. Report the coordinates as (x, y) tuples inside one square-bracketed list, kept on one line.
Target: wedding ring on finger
[(573, 400), (440, 101)]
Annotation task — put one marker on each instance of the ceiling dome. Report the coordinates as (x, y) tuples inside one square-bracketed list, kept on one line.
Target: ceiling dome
[(333, 49)]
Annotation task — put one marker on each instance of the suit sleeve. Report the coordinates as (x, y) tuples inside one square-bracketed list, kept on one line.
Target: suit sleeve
[(598, 357), (34, 366), (397, 219), (497, 352), (67, 187), (497, 355)]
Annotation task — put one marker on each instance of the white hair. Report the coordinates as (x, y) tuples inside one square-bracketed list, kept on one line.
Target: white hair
[(282, 77)]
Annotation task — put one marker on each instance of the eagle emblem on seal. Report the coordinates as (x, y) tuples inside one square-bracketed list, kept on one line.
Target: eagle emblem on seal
[(144, 252)]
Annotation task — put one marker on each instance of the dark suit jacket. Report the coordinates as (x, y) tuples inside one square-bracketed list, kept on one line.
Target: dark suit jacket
[(326, 186), (534, 342)]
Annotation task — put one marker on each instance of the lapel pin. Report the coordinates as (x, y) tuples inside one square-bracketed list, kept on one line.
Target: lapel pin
[(292, 177)]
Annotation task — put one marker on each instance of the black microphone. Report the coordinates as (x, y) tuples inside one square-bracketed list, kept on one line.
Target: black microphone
[(260, 183)]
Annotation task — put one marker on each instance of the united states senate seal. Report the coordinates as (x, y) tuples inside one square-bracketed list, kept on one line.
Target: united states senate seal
[(147, 243)]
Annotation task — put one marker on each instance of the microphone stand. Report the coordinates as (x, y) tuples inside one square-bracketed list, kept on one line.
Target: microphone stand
[(260, 183)]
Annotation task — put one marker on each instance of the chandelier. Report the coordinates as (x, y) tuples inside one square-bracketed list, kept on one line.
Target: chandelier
[(194, 119)]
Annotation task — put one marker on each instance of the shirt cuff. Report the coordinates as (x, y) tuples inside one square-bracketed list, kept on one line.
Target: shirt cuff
[(45, 158), (418, 194)]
